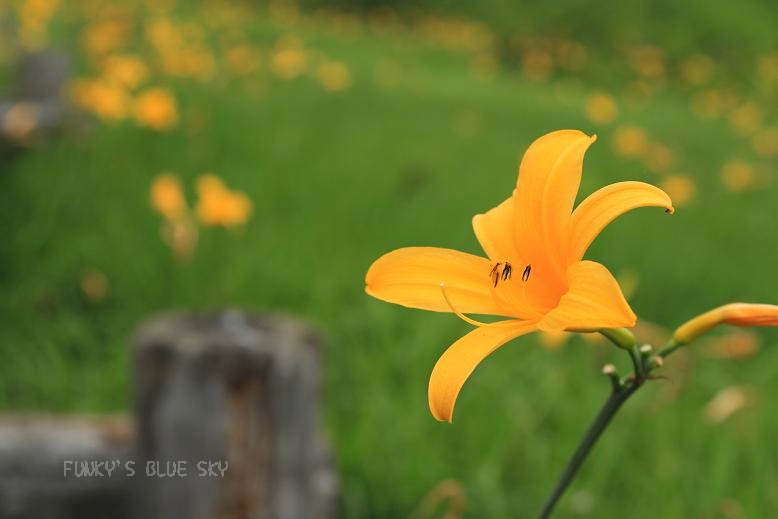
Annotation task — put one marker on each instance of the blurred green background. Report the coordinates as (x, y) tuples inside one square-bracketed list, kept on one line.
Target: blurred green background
[(358, 127)]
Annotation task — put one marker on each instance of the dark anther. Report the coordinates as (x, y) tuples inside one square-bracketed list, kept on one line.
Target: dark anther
[(495, 273), (506, 271), (525, 274)]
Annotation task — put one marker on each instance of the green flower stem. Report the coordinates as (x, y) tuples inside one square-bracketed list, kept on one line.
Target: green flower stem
[(637, 361), (612, 405), (669, 348)]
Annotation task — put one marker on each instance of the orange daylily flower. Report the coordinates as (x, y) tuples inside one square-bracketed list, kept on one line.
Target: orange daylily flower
[(534, 273), (737, 314), (220, 205)]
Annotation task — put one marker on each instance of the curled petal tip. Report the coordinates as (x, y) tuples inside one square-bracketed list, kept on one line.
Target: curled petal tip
[(605, 205), (441, 411)]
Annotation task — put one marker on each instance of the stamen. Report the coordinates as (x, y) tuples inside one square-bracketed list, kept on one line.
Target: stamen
[(494, 272), (506, 271), (459, 314), (525, 274)]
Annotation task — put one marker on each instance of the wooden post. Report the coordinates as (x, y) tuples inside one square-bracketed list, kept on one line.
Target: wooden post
[(38, 106), (239, 390), (65, 467)]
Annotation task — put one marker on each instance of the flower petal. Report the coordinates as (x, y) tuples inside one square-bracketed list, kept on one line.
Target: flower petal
[(462, 357), (605, 205), (412, 276), (593, 301), (549, 177), (495, 231)]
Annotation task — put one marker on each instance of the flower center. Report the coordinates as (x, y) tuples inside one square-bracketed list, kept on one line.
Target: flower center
[(503, 271)]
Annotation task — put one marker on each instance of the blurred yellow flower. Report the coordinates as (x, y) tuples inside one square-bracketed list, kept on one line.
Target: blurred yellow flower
[(94, 285), (648, 61), (630, 141), (767, 70), (697, 70), (739, 176), (537, 65), (334, 76), (161, 32), (179, 230), (220, 206), (746, 119), (181, 48), (289, 59), (34, 17), (195, 62), (37, 11), (167, 197), (104, 37), (157, 109), (125, 70), (681, 189), (106, 100), (601, 108), (765, 142)]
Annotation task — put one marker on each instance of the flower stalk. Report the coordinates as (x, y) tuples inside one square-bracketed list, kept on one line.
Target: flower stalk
[(644, 361), (620, 393), (616, 399)]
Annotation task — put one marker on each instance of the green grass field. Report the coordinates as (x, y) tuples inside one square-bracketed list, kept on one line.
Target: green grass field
[(339, 178)]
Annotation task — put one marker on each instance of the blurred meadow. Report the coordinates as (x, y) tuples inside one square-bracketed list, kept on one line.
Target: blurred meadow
[(246, 154)]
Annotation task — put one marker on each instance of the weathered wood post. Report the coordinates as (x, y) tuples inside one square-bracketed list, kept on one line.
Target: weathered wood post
[(237, 389), (64, 467), (38, 104)]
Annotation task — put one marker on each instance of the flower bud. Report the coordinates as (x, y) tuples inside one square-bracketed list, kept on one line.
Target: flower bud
[(738, 314)]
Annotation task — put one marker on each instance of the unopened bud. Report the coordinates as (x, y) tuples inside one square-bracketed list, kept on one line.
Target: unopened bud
[(738, 314)]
